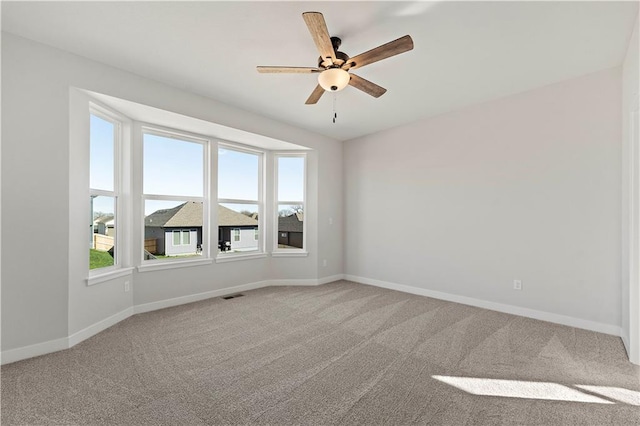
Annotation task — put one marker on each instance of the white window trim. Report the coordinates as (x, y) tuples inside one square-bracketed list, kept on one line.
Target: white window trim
[(240, 256), (294, 252), (262, 154), (159, 265), (108, 275), (121, 145), (207, 143)]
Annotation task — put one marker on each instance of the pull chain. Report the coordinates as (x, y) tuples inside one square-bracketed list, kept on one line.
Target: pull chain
[(335, 114)]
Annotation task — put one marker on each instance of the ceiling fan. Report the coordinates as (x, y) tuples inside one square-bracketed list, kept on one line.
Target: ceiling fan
[(334, 66)]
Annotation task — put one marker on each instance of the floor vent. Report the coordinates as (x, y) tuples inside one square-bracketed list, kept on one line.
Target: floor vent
[(232, 296)]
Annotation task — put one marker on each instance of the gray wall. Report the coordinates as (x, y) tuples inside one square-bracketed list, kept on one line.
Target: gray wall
[(48, 299), (631, 205), (526, 187)]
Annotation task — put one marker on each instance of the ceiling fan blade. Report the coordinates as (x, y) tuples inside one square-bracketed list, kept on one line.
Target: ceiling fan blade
[(320, 34), (290, 70), (395, 47), (315, 95), (366, 86)]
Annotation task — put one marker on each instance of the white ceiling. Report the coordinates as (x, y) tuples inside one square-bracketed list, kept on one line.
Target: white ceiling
[(465, 52)]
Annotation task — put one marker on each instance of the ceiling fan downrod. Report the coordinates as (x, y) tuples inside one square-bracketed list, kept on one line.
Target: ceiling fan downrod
[(341, 57)]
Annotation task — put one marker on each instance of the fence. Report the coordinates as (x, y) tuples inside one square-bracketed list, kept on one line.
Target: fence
[(150, 245), (102, 242), (105, 242)]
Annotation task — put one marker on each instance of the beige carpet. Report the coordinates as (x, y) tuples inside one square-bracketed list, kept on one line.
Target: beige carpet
[(341, 353)]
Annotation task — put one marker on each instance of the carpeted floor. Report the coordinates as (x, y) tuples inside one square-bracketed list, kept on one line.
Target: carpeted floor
[(340, 353)]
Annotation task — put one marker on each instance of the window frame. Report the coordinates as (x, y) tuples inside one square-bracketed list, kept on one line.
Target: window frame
[(290, 252), (118, 123), (260, 202), (182, 237), (206, 142)]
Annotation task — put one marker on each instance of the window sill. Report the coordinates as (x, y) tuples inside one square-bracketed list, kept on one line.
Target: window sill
[(236, 257), (290, 254), (172, 264), (108, 275)]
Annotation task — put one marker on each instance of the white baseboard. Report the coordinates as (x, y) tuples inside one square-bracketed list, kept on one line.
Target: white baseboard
[(38, 349), (625, 341), (99, 326), (13, 355), (305, 282), (330, 279), (167, 303), (494, 306), (293, 282)]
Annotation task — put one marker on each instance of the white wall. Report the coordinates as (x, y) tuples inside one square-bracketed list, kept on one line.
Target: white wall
[(526, 187), (44, 294), (630, 200)]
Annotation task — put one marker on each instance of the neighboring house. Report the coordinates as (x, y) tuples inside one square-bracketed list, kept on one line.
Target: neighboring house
[(290, 230), (104, 225), (178, 230), (239, 229)]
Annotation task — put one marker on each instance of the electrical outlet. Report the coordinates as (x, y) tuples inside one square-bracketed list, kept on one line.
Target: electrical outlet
[(330, 221), (517, 284), (324, 262), (127, 286)]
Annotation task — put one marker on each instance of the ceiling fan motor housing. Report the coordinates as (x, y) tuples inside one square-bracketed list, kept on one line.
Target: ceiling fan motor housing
[(341, 57)]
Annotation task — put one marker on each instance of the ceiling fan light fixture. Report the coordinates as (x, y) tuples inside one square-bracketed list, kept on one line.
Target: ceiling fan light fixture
[(333, 79)]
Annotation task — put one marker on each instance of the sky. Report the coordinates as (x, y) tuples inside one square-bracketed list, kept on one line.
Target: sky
[(176, 167)]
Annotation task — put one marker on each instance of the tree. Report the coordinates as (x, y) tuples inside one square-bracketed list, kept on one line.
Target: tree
[(291, 210), (97, 214), (253, 215)]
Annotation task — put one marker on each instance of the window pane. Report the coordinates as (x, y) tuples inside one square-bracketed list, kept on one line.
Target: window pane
[(290, 178), (101, 153), (172, 229), (290, 226), (103, 232), (237, 227), (173, 166), (238, 175)]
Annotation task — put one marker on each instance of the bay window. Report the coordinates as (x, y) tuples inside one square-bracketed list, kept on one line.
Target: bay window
[(174, 195), (290, 184), (104, 138), (239, 199)]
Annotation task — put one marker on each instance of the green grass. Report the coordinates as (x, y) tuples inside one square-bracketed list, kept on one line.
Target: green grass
[(99, 259), (178, 256)]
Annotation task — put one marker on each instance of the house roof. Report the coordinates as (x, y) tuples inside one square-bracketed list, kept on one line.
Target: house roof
[(228, 217), (291, 223), (189, 214), (103, 219)]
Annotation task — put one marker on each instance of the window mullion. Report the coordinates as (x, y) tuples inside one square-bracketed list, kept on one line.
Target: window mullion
[(172, 198)]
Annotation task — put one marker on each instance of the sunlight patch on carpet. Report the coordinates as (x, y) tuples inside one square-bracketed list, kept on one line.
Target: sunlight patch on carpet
[(519, 389), (619, 394)]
